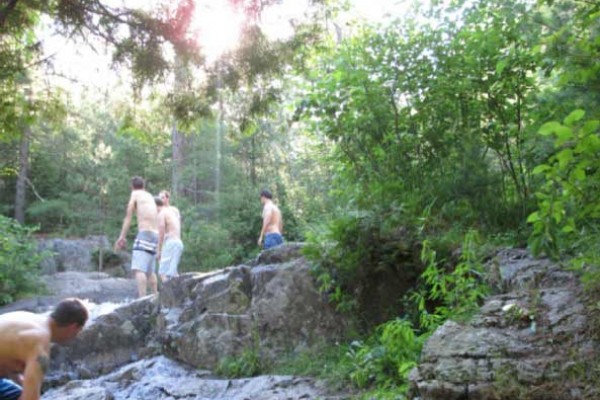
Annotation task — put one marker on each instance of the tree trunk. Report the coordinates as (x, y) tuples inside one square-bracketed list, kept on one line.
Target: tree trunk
[(178, 137), (178, 157), (20, 198)]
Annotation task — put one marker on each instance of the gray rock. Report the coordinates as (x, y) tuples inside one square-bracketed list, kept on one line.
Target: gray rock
[(159, 378), (520, 342), (106, 343), (71, 254), (206, 317), (202, 318)]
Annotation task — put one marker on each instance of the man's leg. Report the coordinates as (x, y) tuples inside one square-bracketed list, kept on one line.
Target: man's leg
[(9, 390), (140, 278), (153, 283)]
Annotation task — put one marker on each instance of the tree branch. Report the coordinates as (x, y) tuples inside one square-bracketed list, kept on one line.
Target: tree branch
[(34, 191)]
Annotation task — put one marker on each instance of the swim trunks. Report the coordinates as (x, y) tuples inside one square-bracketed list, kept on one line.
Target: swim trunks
[(143, 257), (170, 256), (9, 390), (272, 240)]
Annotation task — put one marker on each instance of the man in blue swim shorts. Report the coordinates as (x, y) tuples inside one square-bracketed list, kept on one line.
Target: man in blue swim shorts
[(272, 226)]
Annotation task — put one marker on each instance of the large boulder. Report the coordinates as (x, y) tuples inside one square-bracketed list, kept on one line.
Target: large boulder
[(522, 344), (273, 307), (71, 254), (202, 318), (107, 342)]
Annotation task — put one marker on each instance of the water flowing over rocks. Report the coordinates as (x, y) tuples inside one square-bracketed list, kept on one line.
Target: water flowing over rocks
[(197, 320), (159, 378), (521, 344)]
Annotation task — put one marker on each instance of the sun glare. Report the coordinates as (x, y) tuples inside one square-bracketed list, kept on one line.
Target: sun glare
[(218, 27)]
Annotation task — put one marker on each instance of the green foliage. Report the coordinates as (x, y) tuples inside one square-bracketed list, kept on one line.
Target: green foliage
[(208, 246), (249, 363), (567, 200), (346, 252), (327, 361), (19, 261), (454, 294), (387, 357)]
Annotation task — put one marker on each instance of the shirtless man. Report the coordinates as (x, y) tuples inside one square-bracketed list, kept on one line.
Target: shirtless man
[(143, 258), (272, 226), (170, 245), (25, 346)]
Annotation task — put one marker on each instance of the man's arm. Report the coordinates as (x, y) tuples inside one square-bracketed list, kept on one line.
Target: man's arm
[(267, 217), (35, 369), (126, 223)]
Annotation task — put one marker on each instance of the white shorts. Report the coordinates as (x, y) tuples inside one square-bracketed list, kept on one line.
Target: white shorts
[(170, 256)]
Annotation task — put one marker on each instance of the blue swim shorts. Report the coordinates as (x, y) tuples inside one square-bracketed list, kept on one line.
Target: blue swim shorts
[(9, 390), (272, 240)]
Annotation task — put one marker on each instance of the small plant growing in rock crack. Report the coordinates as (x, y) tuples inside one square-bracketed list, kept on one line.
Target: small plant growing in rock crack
[(249, 363), (456, 294)]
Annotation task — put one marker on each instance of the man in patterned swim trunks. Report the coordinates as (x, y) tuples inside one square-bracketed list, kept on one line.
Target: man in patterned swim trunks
[(170, 245), (143, 258)]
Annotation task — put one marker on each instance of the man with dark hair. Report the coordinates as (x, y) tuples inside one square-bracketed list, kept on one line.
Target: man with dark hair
[(272, 226), (143, 259), (25, 346)]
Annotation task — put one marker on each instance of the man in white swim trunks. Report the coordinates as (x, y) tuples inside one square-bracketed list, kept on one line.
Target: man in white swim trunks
[(143, 258), (170, 246)]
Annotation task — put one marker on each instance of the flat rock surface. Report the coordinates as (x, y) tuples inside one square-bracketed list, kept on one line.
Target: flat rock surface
[(160, 378)]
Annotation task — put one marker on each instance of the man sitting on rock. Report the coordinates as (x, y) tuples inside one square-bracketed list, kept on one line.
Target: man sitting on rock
[(25, 346)]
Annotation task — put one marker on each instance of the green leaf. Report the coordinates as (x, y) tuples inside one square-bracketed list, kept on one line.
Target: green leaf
[(549, 128), (564, 157), (533, 217), (590, 127), (500, 66), (540, 168), (574, 117)]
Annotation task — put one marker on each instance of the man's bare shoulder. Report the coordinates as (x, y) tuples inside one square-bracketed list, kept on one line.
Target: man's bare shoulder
[(23, 333), (175, 211), (141, 194)]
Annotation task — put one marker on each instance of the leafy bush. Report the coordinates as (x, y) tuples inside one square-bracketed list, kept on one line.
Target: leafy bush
[(19, 261), (208, 246), (387, 357), (568, 207), (454, 294)]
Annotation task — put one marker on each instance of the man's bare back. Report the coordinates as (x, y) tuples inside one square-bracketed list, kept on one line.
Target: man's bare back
[(272, 218), (145, 208), (142, 203), (24, 338), (25, 346)]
